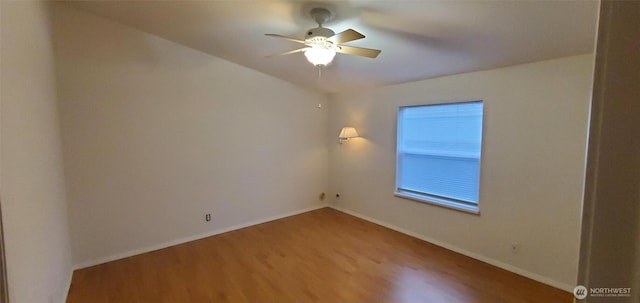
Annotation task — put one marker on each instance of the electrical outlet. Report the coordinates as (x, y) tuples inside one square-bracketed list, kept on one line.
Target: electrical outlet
[(321, 197), (207, 217)]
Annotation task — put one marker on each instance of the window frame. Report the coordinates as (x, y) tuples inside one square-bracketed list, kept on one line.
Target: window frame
[(447, 202)]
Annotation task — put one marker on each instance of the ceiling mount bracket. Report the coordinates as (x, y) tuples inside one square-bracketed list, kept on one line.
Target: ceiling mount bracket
[(321, 15)]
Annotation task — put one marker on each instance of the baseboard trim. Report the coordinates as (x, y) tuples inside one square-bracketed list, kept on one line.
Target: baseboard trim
[(505, 266), (67, 286), (192, 238)]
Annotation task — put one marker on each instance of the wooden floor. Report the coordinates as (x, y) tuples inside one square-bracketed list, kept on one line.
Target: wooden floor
[(319, 256)]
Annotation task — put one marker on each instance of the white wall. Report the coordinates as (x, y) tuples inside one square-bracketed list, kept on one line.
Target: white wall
[(34, 210), (532, 166), (157, 134)]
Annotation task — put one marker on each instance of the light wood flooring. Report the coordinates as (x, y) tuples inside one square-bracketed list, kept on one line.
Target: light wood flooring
[(319, 256)]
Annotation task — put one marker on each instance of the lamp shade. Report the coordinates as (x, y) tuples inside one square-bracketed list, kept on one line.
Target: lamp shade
[(348, 132), (319, 56)]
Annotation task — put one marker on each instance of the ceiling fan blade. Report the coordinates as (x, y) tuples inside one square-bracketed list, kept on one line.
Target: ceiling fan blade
[(286, 38), (359, 51), (346, 36), (289, 52)]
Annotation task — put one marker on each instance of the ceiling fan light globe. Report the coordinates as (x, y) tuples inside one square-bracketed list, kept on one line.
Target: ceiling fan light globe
[(319, 56)]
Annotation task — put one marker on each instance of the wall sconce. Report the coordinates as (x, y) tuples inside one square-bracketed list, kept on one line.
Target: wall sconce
[(346, 134)]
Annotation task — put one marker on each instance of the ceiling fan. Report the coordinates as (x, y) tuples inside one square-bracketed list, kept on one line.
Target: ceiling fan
[(322, 43)]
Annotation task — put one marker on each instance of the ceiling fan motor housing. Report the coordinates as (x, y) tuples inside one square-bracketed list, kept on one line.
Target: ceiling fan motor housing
[(319, 32)]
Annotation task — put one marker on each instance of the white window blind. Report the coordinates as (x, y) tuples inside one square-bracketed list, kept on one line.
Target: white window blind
[(438, 152)]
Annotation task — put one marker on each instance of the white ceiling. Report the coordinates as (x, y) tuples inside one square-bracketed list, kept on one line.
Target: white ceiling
[(418, 39)]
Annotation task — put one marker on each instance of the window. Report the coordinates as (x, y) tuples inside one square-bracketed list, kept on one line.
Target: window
[(438, 154)]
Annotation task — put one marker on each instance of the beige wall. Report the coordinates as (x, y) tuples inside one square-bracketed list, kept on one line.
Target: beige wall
[(532, 168), (34, 206), (610, 248), (157, 134)]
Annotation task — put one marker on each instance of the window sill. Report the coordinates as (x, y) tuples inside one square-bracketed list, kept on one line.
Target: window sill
[(439, 202)]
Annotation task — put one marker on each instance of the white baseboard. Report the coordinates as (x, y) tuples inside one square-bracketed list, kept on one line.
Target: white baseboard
[(511, 268), (66, 286), (191, 238)]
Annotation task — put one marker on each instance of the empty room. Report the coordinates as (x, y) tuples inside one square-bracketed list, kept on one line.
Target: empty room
[(319, 151)]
